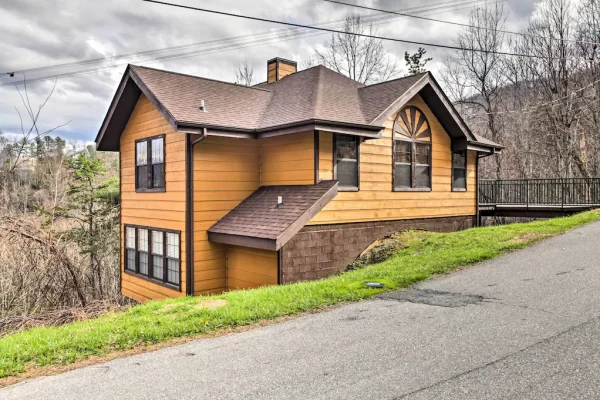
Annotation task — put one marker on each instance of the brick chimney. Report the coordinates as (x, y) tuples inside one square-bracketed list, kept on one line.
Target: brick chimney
[(277, 68)]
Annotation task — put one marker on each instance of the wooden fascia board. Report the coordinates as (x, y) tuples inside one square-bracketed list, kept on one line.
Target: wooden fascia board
[(155, 102), (388, 113), (244, 241), (483, 148), (371, 133), (113, 106), (412, 92), (457, 118), (294, 228)]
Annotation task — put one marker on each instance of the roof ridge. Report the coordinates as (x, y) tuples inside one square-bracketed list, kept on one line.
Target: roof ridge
[(199, 77), (394, 80), (317, 93)]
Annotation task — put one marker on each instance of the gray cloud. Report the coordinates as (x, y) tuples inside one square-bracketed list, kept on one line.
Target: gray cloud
[(37, 33)]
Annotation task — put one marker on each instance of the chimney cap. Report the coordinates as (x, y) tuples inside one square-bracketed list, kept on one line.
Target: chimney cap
[(282, 60)]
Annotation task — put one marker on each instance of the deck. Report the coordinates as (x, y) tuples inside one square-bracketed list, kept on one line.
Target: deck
[(538, 198)]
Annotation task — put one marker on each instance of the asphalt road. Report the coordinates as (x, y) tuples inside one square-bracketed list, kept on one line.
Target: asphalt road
[(524, 326)]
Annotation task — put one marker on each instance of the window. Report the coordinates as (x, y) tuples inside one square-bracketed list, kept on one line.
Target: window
[(153, 254), (346, 160), (150, 164), (130, 249), (459, 171), (412, 150)]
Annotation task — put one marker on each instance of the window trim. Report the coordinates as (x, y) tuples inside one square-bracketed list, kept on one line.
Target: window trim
[(413, 156), (149, 164), (466, 188), (347, 188), (150, 277), (413, 165)]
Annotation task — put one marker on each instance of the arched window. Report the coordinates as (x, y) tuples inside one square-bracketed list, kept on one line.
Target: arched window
[(411, 150)]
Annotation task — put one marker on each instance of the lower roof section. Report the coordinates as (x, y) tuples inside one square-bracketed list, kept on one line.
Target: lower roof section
[(260, 222)]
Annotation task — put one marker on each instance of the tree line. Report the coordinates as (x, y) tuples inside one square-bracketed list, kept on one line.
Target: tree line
[(59, 226)]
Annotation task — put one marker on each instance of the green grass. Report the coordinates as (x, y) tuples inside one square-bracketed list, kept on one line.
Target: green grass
[(424, 254)]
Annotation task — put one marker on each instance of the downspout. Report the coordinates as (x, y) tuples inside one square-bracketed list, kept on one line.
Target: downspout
[(189, 211)]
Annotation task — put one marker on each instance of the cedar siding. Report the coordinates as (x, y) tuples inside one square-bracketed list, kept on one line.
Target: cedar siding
[(325, 156), (288, 160), (248, 268), (164, 210), (226, 171), (376, 201)]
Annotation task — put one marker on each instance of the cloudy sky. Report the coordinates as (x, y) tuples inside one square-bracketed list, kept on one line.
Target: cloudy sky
[(38, 34)]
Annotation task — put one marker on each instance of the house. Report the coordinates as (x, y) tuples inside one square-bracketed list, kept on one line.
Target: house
[(227, 186)]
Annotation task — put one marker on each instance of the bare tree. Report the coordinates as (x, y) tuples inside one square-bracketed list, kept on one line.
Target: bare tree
[(360, 58), (30, 131), (556, 73), (475, 78), (244, 75)]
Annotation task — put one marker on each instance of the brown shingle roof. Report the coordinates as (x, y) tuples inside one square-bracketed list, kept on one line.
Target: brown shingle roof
[(317, 96), (376, 98), (258, 222), (317, 93), (227, 104)]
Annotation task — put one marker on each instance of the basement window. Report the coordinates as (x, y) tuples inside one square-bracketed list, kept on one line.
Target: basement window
[(153, 254), (150, 164), (346, 162)]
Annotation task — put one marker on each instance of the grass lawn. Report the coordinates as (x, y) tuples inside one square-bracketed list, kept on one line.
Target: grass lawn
[(423, 255)]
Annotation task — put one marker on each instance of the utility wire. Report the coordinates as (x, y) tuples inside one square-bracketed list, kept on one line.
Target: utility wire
[(290, 35), (536, 108), (416, 9), (443, 46), (459, 24)]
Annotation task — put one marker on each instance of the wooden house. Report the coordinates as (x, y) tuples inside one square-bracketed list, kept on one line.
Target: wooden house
[(226, 186)]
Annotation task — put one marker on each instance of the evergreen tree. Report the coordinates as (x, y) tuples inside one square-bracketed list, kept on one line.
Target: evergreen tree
[(416, 63), (92, 202)]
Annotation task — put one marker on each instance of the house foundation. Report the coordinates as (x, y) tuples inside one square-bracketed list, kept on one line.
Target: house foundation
[(319, 251)]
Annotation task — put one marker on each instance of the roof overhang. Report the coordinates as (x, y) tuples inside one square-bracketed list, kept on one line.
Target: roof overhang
[(131, 87), (120, 110), (366, 131), (461, 144)]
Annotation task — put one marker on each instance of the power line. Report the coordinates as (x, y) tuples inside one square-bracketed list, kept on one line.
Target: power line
[(443, 46), (249, 42), (536, 108), (417, 9), (458, 23)]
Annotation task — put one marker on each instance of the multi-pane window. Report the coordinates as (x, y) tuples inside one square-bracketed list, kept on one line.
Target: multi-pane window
[(412, 150), (346, 161), (141, 165), (173, 258), (130, 249), (422, 165), (153, 253), (459, 171), (157, 255), (150, 164), (143, 251)]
